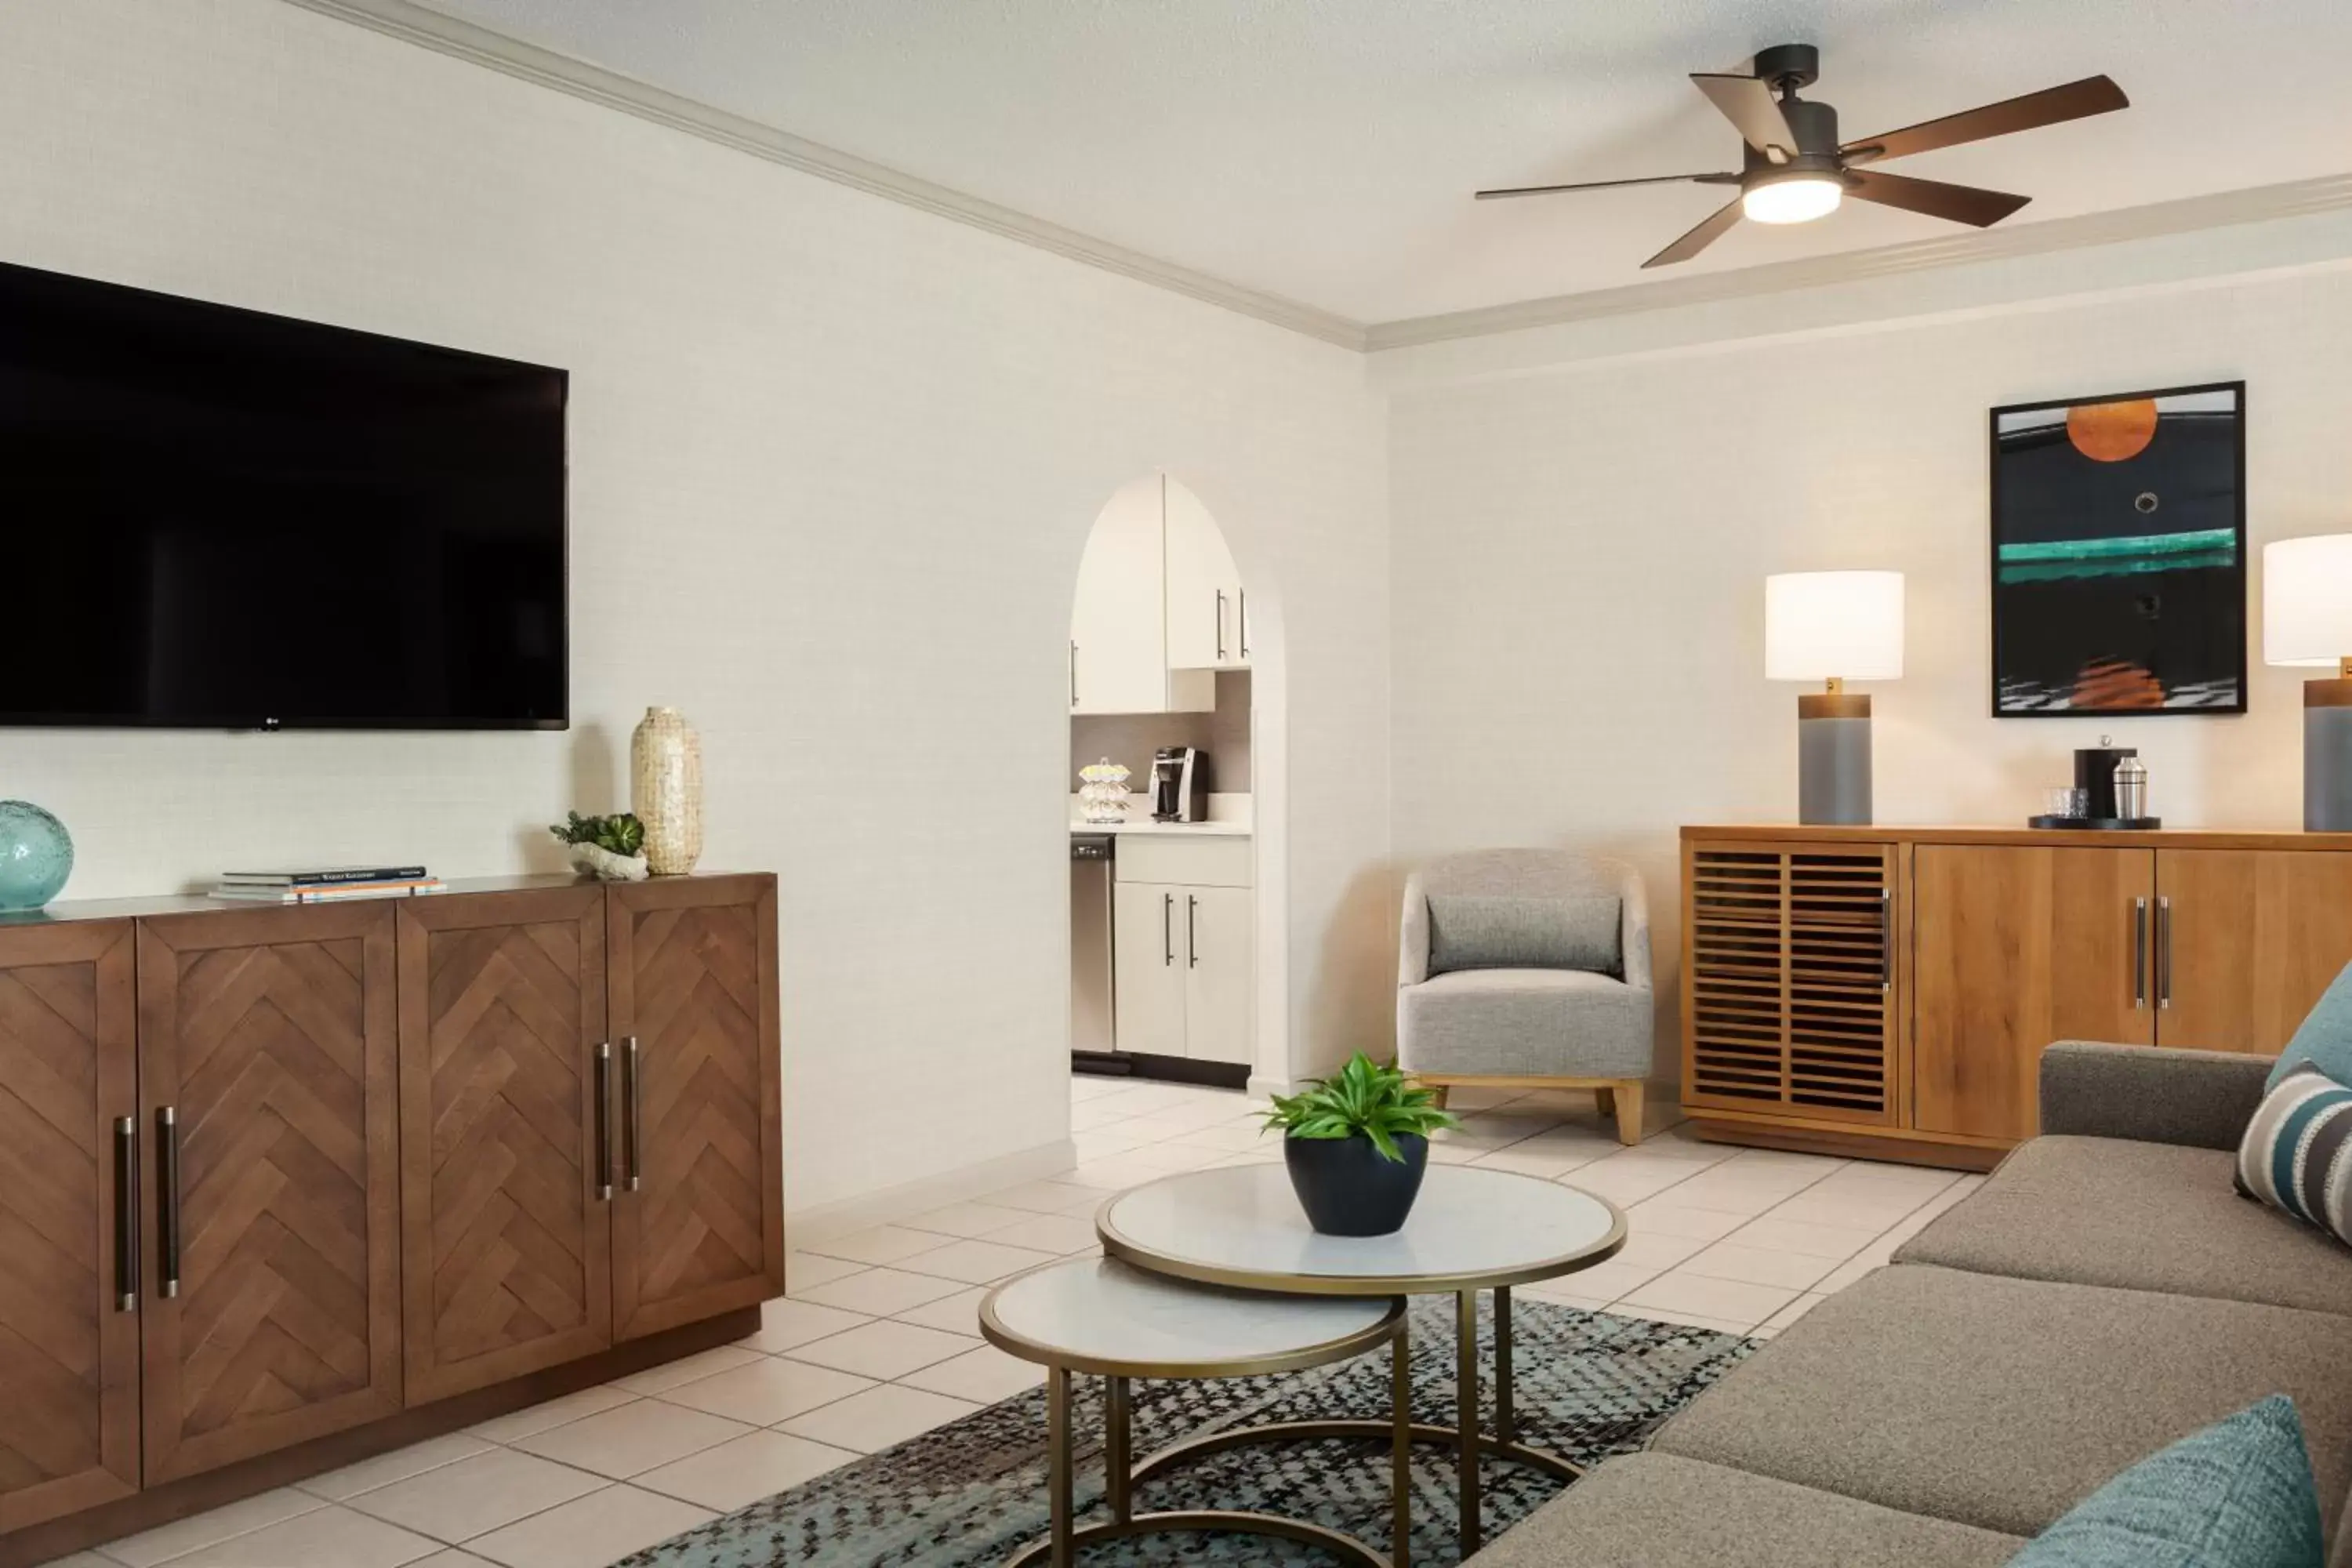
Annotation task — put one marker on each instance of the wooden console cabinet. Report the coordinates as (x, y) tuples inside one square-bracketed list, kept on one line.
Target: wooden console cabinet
[(278, 1186), (1888, 991)]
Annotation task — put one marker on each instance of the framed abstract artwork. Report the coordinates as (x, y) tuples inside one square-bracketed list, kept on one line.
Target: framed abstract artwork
[(2119, 554)]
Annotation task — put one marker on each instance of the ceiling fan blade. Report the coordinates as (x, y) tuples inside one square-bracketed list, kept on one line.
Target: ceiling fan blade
[(1606, 184), (2052, 106), (1748, 102), (1714, 227), (1960, 204)]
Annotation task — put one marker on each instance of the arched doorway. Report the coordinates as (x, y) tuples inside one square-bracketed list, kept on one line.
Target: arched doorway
[(1175, 666)]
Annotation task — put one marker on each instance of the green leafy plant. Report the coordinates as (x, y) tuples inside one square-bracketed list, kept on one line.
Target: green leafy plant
[(1362, 1097), (621, 833)]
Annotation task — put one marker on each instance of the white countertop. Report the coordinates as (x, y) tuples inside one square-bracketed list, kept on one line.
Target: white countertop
[(1229, 818)]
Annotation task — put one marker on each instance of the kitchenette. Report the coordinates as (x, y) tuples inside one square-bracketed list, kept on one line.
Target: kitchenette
[(1163, 851)]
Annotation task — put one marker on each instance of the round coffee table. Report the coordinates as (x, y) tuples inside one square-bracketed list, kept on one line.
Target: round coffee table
[(1470, 1230), (1097, 1315)]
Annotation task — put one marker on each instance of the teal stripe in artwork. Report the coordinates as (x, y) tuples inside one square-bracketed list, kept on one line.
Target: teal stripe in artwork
[(2135, 566), (2221, 538)]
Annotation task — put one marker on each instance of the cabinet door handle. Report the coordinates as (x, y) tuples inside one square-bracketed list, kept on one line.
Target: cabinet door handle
[(1221, 625), (2140, 953), (631, 1101), (604, 1120), (2163, 955), (1887, 938), (1167, 930), (167, 1200), (1191, 932), (1244, 618), (126, 1214), (1074, 675)]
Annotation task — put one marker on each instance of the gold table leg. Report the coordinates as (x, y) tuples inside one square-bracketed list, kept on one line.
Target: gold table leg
[(1065, 1536), (1400, 1446)]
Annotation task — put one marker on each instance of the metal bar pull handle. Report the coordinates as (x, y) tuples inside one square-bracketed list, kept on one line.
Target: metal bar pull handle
[(1191, 932), (126, 1214), (1243, 616), (1167, 930), (1221, 625), (604, 1120), (1074, 675), (167, 1201), (632, 1106), (1887, 938), (2140, 953), (2163, 955)]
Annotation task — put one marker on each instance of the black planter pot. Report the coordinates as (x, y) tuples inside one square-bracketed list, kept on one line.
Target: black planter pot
[(1347, 1187)]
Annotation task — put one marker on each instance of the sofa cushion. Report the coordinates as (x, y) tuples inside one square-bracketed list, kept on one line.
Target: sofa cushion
[(1494, 931), (2143, 1216), (1647, 1509), (2325, 1036), (2236, 1494), (2002, 1403), (1548, 1023), (2297, 1155)]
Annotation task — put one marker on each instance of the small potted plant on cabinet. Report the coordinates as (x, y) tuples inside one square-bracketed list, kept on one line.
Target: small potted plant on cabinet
[(1356, 1144)]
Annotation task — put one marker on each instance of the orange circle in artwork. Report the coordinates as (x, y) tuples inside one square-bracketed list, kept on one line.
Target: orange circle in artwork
[(2110, 432)]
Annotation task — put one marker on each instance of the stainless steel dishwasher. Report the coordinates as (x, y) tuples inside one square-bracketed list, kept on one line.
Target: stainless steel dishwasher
[(1093, 1041)]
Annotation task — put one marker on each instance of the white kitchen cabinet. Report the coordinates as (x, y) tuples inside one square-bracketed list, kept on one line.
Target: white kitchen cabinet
[(1119, 654), (1206, 603), (1148, 969), (1218, 958), (1186, 959)]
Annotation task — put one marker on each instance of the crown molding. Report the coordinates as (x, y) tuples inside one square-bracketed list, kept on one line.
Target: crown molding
[(416, 23), (2298, 198)]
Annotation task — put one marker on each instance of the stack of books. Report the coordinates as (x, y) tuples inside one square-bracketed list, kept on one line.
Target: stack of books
[(327, 885)]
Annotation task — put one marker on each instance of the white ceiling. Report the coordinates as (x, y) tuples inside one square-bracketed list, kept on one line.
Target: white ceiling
[(1324, 151)]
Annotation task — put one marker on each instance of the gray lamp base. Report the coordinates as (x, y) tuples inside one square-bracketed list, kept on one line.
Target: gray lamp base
[(1833, 759), (2327, 756)]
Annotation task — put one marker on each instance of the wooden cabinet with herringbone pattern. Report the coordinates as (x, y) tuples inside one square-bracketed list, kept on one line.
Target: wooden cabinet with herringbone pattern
[(68, 1343), (267, 1043), (504, 1228), (697, 1217)]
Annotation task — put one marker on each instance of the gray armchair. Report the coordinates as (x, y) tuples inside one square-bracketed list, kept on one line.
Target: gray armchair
[(1529, 969)]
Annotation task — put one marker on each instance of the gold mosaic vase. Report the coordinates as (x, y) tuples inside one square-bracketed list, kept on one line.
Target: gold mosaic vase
[(665, 790)]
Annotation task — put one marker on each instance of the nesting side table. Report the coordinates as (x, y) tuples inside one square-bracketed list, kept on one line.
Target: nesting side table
[(1099, 1316)]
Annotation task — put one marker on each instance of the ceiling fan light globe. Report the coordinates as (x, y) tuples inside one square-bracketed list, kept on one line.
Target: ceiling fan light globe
[(1801, 198)]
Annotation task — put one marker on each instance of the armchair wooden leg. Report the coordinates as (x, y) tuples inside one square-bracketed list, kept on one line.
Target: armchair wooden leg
[(1440, 1091), (1606, 1100), (1628, 1096)]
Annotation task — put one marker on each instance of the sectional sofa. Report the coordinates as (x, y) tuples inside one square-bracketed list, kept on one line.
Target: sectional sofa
[(2104, 1293)]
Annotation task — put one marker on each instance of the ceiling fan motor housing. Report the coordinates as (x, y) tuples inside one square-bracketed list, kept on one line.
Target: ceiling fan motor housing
[(1815, 127)]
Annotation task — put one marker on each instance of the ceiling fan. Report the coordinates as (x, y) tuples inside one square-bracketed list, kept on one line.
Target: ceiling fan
[(1794, 169)]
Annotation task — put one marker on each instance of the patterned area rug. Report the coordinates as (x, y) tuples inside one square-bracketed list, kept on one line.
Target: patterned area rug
[(970, 1493)]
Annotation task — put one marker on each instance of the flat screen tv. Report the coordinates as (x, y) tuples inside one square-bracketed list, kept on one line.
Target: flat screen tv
[(213, 518)]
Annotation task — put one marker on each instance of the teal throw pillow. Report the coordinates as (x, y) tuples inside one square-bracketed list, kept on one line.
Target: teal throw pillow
[(2237, 1495), (2297, 1152), (2324, 1040)]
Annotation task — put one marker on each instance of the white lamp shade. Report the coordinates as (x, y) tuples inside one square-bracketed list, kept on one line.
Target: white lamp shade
[(1824, 625), (2307, 601)]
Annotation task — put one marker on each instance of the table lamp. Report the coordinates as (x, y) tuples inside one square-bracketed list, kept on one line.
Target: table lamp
[(1833, 626), (2307, 625)]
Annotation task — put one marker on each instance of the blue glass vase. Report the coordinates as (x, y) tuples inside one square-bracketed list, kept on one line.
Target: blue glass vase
[(36, 855)]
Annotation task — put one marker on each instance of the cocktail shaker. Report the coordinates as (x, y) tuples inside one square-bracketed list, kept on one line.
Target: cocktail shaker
[(2131, 788)]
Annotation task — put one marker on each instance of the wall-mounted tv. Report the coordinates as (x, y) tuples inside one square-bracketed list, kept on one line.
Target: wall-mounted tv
[(214, 518)]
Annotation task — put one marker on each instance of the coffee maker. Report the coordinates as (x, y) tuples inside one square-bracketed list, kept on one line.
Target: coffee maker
[(1180, 784)]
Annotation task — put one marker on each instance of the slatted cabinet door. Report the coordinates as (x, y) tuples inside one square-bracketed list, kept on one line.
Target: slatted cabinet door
[(68, 1347), (1789, 1003), (697, 1217), (266, 1071), (505, 1226)]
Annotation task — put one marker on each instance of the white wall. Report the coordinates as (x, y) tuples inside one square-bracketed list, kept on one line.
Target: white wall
[(1579, 549), (832, 461)]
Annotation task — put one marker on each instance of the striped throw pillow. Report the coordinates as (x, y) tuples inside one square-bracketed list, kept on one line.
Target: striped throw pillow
[(2297, 1152)]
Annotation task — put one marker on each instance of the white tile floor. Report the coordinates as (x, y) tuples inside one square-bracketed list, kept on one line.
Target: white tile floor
[(879, 1340)]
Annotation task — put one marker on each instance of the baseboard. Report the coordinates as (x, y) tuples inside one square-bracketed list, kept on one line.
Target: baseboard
[(825, 1222)]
